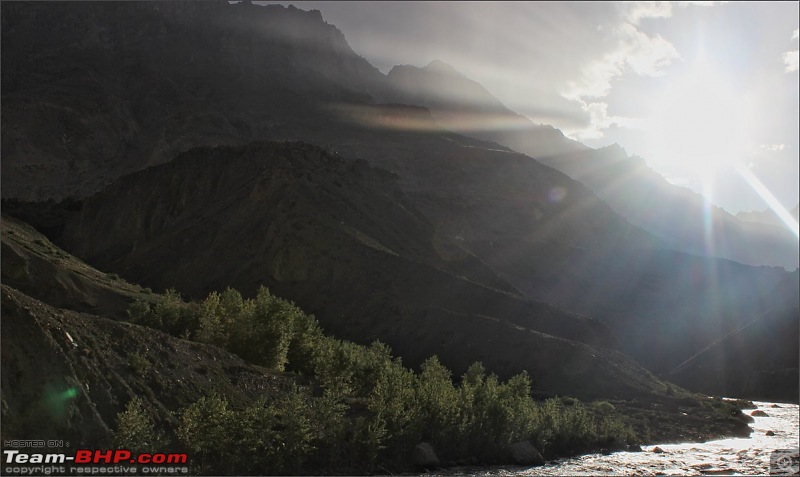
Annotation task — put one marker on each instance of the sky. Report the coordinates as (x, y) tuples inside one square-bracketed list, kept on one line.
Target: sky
[(705, 92)]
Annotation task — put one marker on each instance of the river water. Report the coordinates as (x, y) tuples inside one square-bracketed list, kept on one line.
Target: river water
[(737, 456)]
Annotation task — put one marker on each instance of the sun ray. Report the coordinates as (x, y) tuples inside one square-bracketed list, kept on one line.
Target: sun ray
[(767, 196)]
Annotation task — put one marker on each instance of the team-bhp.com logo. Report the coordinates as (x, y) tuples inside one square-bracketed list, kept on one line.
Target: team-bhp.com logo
[(784, 462), (97, 461)]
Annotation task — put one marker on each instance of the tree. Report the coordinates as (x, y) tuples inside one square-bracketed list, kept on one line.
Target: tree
[(136, 431)]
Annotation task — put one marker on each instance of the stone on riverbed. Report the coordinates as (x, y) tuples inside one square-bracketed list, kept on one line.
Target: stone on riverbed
[(424, 456), (523, 453)]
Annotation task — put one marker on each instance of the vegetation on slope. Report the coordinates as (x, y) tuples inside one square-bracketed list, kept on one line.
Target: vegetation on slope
[(340, 407), (363, 410)]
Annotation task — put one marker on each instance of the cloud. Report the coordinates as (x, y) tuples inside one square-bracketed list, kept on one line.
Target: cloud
[(772, 147), (700, 4), (792, 60), (635, 11), (635, 52), (600, 120)]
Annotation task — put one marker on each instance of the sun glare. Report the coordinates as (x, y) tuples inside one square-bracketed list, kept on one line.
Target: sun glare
[(698, 123)]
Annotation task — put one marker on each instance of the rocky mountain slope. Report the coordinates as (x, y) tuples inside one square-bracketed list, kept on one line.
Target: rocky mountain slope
[(338, 238), (36, 267), (68, 374)]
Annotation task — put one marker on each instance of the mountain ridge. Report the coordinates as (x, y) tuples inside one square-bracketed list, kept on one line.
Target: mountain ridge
[(610, 172)]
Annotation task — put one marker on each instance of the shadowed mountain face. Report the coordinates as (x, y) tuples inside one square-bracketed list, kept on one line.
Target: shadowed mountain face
[(338, 237), (674, 214), (757, 361), (95, 90), (457, 246)]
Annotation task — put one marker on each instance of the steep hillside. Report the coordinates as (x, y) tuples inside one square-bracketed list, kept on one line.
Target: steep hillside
[(36, 267), (66, 375), (556, 242)]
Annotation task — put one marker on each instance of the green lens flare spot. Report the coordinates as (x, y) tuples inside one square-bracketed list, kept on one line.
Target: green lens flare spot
[(70, 393)]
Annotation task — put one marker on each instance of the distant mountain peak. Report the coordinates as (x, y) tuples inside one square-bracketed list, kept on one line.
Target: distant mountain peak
[(442, 66)]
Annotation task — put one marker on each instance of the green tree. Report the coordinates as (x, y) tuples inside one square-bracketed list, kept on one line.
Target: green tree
[(135, 430), (437, 400), (208, 429), (261, 332)]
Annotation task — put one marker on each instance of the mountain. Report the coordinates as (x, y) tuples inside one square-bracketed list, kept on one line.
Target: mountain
[(756, 361), (766, 216), (338, 237), (676, 214), (462, 105), (92, 91), (161, 117), (634, 190)]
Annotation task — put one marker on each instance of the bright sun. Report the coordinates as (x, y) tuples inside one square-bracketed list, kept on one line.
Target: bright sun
[(698, 123)]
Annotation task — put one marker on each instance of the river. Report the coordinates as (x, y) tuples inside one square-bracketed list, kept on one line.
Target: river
[(736, 456)]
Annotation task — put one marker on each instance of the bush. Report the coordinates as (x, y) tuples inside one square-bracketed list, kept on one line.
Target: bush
[(135, 430), (262, 330), (209, 430), (284, 436), (139, 363), (603, 407), (169, 314)]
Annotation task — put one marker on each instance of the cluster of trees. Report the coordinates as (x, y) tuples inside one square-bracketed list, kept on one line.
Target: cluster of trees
[(364, 412)]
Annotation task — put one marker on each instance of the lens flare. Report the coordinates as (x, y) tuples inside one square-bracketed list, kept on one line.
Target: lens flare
[(556, 194), (56, 401), (766, 196)]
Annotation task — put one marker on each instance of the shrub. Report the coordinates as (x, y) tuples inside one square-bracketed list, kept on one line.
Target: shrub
[(207, 429), (135, 430), (139, 363), (603, 407), (262, 330)]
